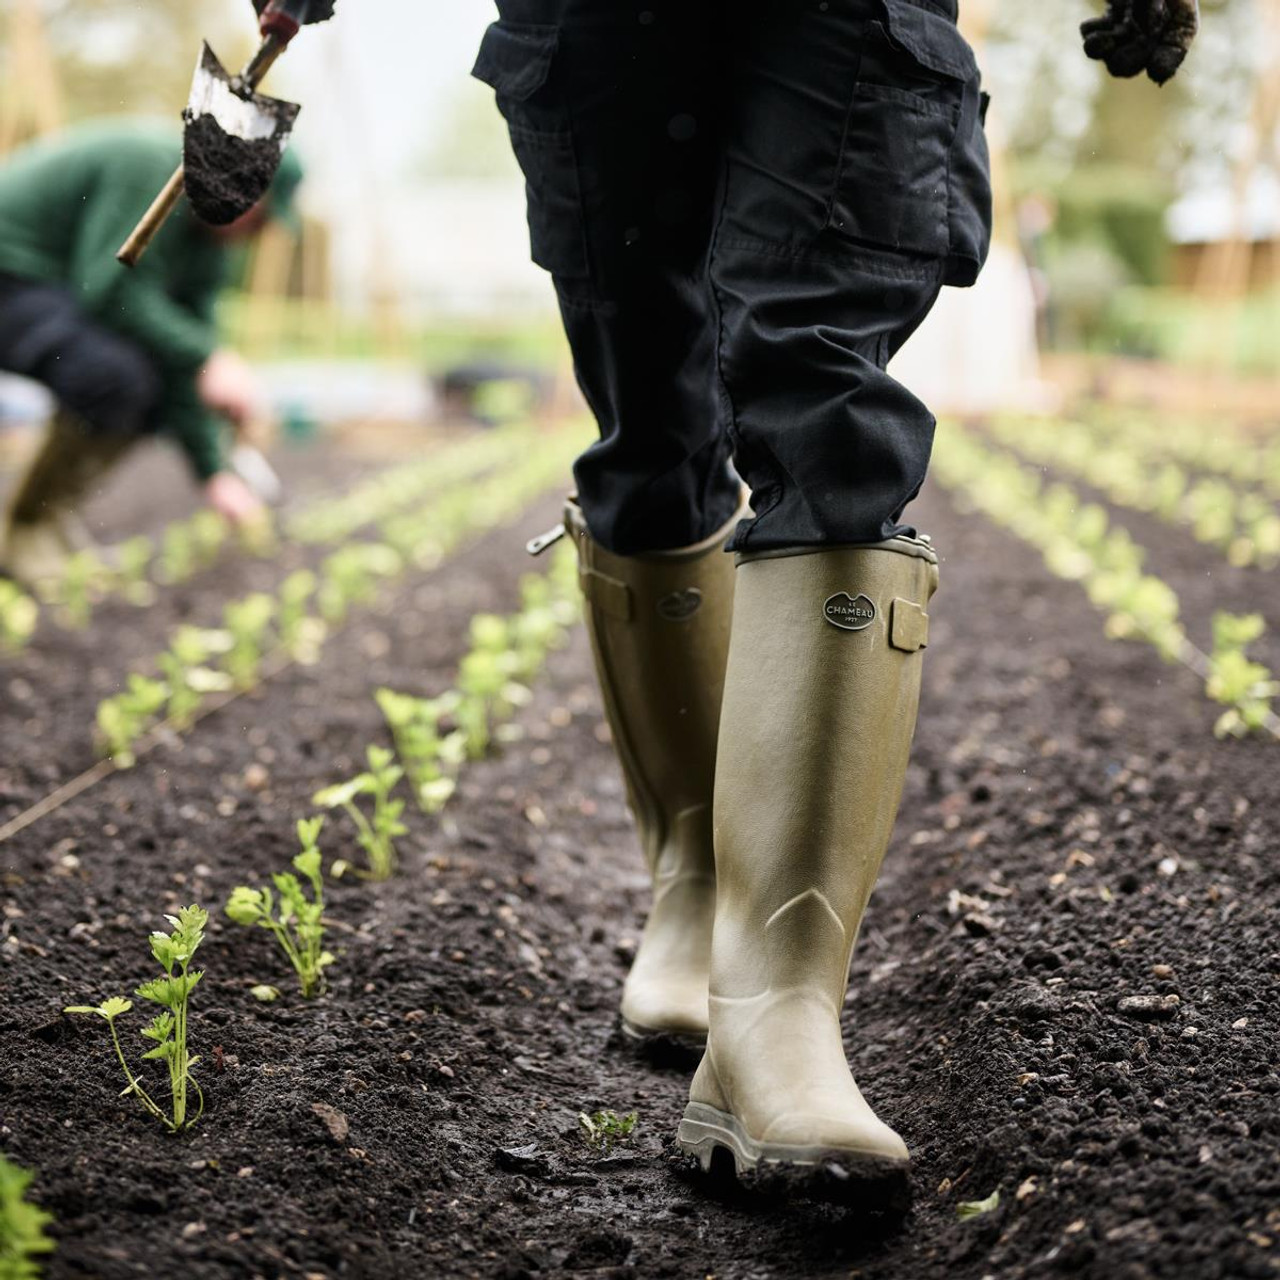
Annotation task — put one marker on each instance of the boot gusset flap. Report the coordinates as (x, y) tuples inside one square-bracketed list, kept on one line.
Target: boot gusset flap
[(908, 625), (606, 594)]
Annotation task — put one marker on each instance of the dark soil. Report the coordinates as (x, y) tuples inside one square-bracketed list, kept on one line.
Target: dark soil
[(1072, 838), (225, 175)]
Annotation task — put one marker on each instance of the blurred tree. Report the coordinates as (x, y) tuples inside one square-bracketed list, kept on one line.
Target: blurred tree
[(137, 58)]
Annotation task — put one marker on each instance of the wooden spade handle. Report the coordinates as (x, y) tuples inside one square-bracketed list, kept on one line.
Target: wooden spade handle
[(161, 207)]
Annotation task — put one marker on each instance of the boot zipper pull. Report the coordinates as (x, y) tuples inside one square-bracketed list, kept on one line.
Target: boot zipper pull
[(536, 546)]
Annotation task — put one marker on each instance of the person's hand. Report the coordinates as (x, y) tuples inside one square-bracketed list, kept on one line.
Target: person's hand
[(228, 385), (233, 500), (318, 11), (1142, 35)]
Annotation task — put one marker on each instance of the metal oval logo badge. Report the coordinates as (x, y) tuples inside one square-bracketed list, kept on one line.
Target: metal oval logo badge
[(849, 613), (680, 605)]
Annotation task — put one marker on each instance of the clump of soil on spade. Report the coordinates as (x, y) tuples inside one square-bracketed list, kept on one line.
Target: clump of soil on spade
[(225, 175)]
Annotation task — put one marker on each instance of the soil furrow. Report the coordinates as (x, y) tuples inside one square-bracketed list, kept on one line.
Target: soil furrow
[(1071, 835)]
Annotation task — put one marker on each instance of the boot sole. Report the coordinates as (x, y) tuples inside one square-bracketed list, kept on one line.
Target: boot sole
[(657, 1038), (709, 1135)]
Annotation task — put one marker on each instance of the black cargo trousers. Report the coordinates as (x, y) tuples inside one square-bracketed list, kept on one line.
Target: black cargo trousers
[(747, 206)]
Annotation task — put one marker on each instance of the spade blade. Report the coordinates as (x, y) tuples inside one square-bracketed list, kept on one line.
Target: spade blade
[(232, 143)]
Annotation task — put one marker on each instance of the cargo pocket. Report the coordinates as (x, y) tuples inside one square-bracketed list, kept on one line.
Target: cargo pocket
[(970, 193), (893, 180), (516, 61)]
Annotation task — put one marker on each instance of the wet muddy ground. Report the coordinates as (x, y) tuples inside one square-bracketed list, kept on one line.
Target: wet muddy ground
[(1072, 838)]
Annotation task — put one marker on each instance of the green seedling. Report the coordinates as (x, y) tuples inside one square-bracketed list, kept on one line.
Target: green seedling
[(177, 554), (376, 835), (124, 718), (429, 757), (82, 577), (23, 1235), (603, 1130), (132, 559), (247, 622), (208, 534), (298, 922), (301, 635), (189, 680), (168, 1030), (1245, 687), (349, 576), (258, 537), (19, 614), (976, 1208), (486, 686)]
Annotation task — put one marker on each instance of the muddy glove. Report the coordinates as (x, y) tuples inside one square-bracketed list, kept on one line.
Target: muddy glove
[(317, 11), (1142, 35)]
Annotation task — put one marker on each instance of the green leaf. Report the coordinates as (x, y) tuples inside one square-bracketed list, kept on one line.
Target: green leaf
[(115, 1006), (309, 831), (974, 1208), (264, 993), (191, 924), (163, 991), (207, 680), (160, 1027), (164, 950), (246, 906), (308, 862), (342, 792), (290, 891)]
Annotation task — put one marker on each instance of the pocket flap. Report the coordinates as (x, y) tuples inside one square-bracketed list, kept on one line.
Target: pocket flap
[(515, 58), (934, 41)]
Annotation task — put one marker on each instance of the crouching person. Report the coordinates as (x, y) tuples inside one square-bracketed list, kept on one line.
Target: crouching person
[(125, 353)]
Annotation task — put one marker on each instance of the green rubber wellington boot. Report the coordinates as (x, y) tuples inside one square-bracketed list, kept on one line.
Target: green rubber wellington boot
[(659, 627), (42, 528), (819, 710)]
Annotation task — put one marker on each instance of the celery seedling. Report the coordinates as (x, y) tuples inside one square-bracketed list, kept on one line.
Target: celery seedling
[(18, 615), (429, 757), (168, 1030), (348, 576), (208, 533), (376, 835), (22, 1225), (123, 718), (1244, 686), (80, 575), (247, 621), (132, 558), (485, 682), (603, 1130), (177, 554), (298, 925), (300, 633), (188, 678)]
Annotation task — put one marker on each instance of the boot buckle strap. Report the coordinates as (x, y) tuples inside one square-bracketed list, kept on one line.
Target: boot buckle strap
[(536, 546), (908, 625), (606, 594)]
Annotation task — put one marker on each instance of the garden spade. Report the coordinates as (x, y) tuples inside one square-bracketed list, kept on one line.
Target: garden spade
[(232, 143), (234, 137)]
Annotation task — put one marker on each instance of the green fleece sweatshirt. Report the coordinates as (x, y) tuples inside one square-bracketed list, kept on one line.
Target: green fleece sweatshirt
[(66, 206)]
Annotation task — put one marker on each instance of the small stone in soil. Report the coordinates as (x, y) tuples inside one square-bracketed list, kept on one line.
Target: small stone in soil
[(333, 1120), (1148, 1008)]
